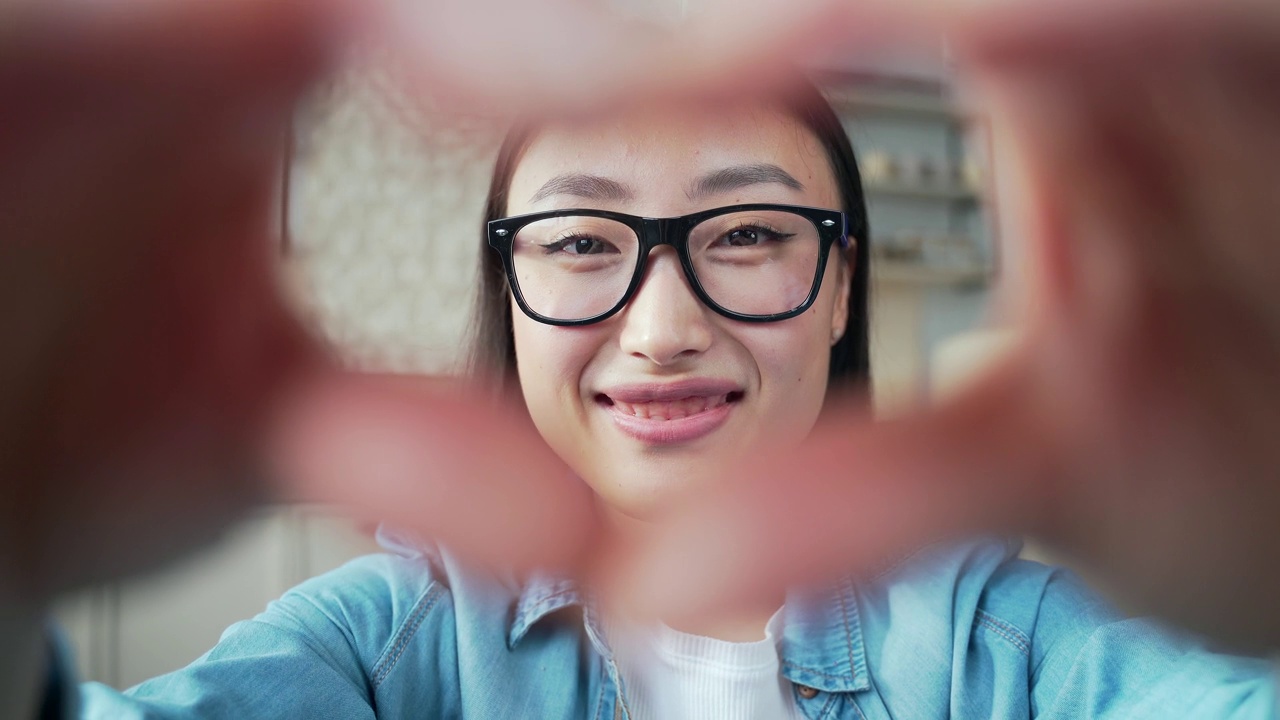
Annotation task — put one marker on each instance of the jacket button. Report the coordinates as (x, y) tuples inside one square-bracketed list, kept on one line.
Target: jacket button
[(807, 692)]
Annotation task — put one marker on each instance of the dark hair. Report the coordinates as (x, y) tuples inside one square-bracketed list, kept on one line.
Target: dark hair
[(492, 353)]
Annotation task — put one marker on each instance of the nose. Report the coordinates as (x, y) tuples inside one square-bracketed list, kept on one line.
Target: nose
[(664, 321)]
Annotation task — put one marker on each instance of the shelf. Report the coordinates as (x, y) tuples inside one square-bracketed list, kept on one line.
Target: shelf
[(896, 102), (914, 273), (932, 192)]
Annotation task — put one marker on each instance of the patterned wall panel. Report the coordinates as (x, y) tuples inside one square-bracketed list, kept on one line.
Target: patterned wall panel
[(385, 209)]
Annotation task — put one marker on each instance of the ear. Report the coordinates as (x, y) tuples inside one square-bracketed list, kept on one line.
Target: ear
[(844, 283)]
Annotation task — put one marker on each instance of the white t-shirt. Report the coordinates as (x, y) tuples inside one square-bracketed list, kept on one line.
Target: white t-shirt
[(670, 674)]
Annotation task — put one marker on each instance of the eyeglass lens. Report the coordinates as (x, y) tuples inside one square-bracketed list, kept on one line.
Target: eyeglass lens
[(752, 262)]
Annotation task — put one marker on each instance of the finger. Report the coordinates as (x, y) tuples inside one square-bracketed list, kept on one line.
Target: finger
[(439, 459), (174, 208), (158, 335), (1146, 152), (574, 57), (144, 329), (1150, 151), (136, 59), (87, 97), (1012, 32), (166, 41), (1143, 178), (855, 498)]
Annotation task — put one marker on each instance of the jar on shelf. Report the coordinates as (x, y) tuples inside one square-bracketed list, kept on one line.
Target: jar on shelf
[(902, 246), (971, 175), (951, 250), (928, 171), (879, 167)]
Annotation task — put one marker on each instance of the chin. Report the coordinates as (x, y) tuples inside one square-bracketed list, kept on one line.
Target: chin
[(646, 490)]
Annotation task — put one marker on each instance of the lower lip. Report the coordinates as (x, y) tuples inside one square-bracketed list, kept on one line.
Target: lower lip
[(671, 432)]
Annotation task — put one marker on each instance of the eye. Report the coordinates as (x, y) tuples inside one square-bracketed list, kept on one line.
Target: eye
[(579, 245), (749, 235)]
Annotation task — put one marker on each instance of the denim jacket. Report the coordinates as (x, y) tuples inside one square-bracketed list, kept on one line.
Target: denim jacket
[(965, 632)]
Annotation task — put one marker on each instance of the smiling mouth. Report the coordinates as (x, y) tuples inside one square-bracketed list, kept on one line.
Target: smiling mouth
[(670, 409)]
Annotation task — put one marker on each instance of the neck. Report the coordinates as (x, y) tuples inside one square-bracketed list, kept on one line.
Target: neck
[(745, 624), (742, 622)]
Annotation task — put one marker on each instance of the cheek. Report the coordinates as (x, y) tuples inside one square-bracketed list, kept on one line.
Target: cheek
[(550, 362), (797, 352), (792, 358), (796, 357)]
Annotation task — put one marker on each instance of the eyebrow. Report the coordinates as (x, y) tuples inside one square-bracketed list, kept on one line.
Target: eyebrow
[(591, 187), (595, 187), (740, 176)]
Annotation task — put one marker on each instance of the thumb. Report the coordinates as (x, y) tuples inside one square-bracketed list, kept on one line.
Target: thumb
[(855, 496), (437, 458)]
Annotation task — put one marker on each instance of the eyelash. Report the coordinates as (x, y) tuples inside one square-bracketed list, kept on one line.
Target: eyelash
[(558, 245), (563, 242), (760, 228)]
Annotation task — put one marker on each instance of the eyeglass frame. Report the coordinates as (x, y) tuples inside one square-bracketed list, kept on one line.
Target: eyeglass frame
[(832, 227)]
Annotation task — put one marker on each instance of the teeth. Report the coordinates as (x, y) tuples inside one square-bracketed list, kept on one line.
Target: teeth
[(671, 409)]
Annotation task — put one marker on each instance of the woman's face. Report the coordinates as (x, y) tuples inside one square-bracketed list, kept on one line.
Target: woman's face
[(667, 393)]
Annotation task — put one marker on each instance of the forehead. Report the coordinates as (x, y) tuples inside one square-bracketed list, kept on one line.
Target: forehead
[(661, 155)]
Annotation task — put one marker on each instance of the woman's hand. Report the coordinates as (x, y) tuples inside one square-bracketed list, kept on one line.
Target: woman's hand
[(1134, 426), (153, 384), (151, 373)]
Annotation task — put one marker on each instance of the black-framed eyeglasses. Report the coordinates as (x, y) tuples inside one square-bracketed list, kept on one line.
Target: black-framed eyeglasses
[(755, 263)]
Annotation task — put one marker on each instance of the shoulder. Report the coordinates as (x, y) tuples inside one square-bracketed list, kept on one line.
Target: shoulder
[(944, 598), (993, 595), (988, 577), (371, 605), (386, 583), (412, 595), (1038, 632), (1084, 655), (1044, 605), (948, 574), (983, 593)]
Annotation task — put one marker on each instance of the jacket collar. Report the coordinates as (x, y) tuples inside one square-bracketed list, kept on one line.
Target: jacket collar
[(822, 645), (540, 596)]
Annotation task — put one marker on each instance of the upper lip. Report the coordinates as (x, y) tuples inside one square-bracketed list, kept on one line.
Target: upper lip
[(670, 391)]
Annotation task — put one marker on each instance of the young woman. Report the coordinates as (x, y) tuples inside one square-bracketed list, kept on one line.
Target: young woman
[(668, 289)]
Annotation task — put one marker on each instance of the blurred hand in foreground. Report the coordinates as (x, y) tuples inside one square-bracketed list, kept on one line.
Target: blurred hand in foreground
[(149, 361), (1134, 427)]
